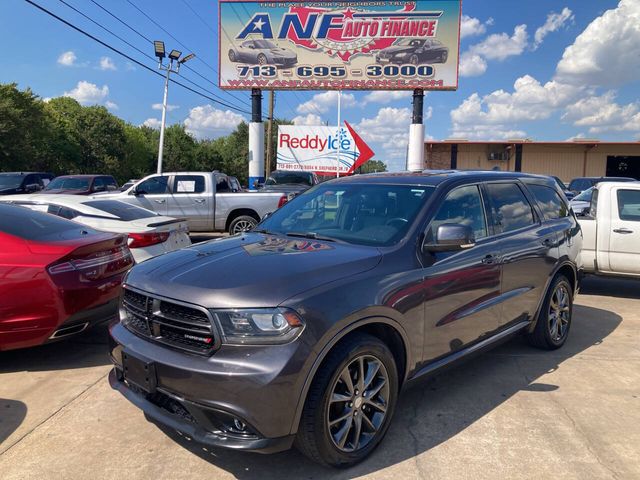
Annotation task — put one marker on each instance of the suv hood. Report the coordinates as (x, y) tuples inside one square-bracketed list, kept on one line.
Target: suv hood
[(250, 271)]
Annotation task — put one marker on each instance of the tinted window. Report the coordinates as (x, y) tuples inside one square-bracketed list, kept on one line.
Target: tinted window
[(580, 184), (222, 185), (99, 184), (64, 212), (153, 185), (188, 184), (374, 215), (549, 201), (31, 225), (10, 181), (68, 184), (462, 206), (629, 205), (122, 210), (510, 209), (290, 178)]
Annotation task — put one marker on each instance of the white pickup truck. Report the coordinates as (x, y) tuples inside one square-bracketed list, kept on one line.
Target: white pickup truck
[(611, 229), (207, 200)]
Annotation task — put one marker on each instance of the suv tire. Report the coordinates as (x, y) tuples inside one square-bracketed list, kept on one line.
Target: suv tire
[(554, 319), (347, 414)]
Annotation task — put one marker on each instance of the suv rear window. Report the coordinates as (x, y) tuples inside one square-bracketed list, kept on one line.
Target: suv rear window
[(549, 201), (123, 211), (36, 226), (510, 208)]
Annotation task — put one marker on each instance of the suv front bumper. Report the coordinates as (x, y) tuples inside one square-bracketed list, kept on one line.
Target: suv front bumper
[(206, 398)]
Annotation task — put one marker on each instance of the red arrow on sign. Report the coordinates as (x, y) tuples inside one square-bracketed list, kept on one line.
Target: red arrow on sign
[(366, 153)]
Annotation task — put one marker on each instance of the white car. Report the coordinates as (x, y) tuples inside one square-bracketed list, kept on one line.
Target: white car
[(149, 234)]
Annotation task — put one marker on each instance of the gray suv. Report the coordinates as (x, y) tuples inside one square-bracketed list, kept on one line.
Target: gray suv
[(305, 330)]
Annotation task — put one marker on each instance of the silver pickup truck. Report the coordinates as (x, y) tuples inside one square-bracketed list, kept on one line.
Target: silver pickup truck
[(206, 199)]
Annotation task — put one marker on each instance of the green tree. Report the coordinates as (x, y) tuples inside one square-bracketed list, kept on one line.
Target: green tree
[(373, 166), (180, 150)]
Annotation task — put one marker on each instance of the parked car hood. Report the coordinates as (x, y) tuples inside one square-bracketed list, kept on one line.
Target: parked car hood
[(252, 270), (63, 191), (399, 49)]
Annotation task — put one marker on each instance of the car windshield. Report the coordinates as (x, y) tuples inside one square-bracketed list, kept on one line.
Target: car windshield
[(580, 184), (123, 211), (374, 215), (410, 42), (560, 183), (584, 196), (10, 181), (290, 178), (68, 184), (265, 44)]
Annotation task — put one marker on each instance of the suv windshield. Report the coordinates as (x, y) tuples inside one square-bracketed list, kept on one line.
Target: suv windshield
[(375, 215), (10, 181), (290, 178), (68, 184)]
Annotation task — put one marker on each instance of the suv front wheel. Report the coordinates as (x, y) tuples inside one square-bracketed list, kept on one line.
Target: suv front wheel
[(350, 403)]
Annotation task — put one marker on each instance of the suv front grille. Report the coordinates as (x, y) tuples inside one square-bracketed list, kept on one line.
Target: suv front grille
[(163, 321)]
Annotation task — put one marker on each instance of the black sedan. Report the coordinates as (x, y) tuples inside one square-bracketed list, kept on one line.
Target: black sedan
[(415, 51)]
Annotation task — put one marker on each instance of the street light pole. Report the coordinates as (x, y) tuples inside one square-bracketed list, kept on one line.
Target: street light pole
[(174, 56)]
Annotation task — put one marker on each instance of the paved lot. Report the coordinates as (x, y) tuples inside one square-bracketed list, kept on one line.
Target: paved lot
[(512, 413)]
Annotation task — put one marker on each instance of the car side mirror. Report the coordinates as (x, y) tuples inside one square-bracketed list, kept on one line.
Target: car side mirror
[(135, 192), (32, 187), (452, 237), (100, 188)]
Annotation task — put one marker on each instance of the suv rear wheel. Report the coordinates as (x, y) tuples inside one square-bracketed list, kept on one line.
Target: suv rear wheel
[(350, 404), (554, 319)]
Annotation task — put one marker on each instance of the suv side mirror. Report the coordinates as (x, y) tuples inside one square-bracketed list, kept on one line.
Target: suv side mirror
[(452, 237), (32, 187)]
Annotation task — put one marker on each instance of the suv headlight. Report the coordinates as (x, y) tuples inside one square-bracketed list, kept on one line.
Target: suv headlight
[(272, 326)]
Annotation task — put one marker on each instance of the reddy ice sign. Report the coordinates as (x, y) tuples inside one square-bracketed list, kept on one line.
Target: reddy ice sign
[(316, 149), (339, 45)]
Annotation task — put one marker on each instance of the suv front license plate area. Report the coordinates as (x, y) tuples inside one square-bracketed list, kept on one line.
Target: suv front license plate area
[(138, 372)]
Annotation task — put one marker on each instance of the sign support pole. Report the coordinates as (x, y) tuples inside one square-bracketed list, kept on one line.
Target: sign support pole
[(256, 141), (339, 131), (270, 133), (415, 157)]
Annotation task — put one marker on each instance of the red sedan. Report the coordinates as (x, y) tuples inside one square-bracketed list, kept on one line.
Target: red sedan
[(56, 277)]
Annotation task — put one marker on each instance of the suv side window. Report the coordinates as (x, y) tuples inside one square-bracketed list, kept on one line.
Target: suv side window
[(551, 204), (510, 208), (462, 206), (184, 184), (629, 205), (153, 186), (99, 185)]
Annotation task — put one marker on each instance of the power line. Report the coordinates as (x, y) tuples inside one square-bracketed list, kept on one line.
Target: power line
[(119, 52), (134, 47)]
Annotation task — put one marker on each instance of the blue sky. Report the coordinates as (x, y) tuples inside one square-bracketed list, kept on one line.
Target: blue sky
[(545, 70)]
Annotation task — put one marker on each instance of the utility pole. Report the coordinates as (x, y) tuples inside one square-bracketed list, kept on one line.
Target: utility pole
[(174, 56), (270, 134)]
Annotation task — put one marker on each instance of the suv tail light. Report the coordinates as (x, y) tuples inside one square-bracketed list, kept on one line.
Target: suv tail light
[(94, 264), (139, 240), (283, 201)]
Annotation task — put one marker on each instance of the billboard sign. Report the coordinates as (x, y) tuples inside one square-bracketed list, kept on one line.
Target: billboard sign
[(339, 45), (316, 149)]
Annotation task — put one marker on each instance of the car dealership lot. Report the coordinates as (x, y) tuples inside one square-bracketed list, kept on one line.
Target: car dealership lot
[(514, 412)]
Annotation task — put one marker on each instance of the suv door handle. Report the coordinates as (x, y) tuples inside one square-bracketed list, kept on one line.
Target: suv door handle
[(200, 200), (624, 231), (159, 201), (490, 259)]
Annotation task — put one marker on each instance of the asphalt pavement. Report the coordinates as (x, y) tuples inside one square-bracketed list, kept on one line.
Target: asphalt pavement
[(515, 412)]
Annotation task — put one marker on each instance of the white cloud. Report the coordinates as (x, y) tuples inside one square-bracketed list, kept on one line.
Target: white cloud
[(106, 63), (500, 46), (309, 119), (604, 114), (130, 67), (384, 97), (470, 26), (152, 123), (323, 102), (111, 105), (555, 21), (88, 93), (67, 59), (606, 53), (206, 121), (472, 65), (170, 108)]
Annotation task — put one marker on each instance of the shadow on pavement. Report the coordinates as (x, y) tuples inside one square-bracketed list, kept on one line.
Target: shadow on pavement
[(433, 411), (611, 287), (12, 413), (89, 349)]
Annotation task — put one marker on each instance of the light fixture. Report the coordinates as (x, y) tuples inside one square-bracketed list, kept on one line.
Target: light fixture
[(191, 56), (175, 54), (159, 48)]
